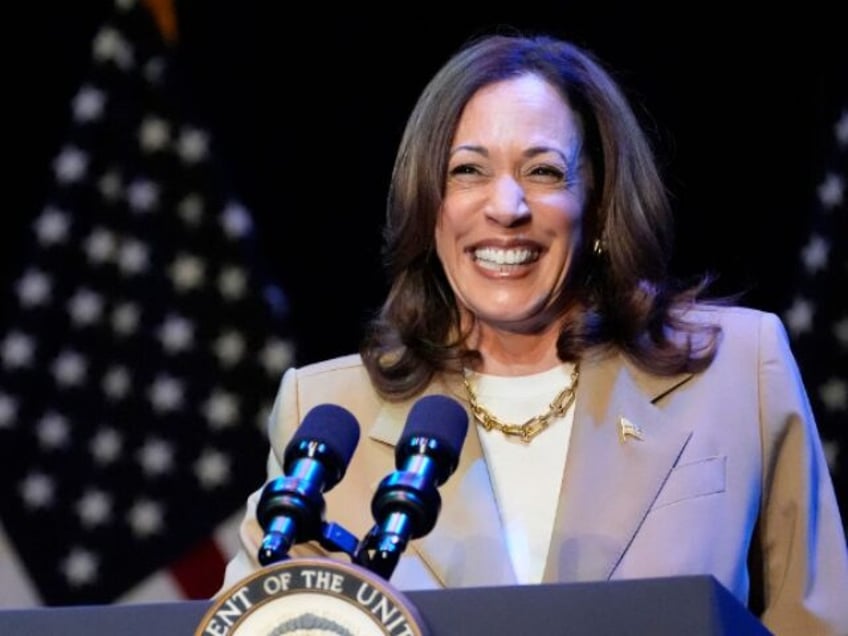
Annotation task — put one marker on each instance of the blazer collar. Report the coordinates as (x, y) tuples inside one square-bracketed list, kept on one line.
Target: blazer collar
[(607, 488)]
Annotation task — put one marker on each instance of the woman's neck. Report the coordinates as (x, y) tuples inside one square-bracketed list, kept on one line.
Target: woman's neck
[(509, 353)]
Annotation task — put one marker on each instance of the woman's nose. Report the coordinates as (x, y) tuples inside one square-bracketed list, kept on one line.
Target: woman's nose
[(507, 203)]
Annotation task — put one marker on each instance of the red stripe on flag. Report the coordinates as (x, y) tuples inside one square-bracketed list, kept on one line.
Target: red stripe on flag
[(200, 572)]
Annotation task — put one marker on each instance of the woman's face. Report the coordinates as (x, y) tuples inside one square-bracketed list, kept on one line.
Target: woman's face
[(514, 195)]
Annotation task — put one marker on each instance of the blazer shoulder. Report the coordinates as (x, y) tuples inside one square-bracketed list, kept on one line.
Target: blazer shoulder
[(343, 380), (736, 319), (745, 332), (342, 364)]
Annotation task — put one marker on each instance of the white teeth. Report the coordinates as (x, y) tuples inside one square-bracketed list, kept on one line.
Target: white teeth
[(496, 256)]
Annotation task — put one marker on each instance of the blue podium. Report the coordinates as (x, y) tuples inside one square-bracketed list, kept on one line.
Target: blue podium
[(674, 606)]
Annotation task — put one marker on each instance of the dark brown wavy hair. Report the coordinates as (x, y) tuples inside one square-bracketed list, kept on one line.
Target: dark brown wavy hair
[(620, 295)]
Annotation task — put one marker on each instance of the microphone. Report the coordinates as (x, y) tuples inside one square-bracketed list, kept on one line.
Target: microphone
[(407, 502), (291, 507)]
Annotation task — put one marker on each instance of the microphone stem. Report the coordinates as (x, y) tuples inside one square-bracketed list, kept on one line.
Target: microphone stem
[(392, 542), (278, 540)]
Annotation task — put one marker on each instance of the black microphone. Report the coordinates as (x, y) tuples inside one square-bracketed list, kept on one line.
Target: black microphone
[(407, 502), (291, 507)]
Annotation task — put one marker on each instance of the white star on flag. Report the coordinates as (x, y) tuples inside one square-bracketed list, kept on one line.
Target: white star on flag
[(143, 196), (88, 105), (34, 288), (52, 226), (832, 191), (193, 145), (94, 508), (71, 165)]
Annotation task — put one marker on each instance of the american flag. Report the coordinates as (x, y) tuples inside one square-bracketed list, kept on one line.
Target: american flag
[(817, 316), (139, 350)]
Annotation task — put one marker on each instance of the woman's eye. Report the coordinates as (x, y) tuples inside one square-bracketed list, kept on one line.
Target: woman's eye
[(464, 169), (550, 172)]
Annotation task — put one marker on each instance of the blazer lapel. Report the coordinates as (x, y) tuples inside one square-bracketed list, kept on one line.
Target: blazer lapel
[(467, 546), (611, 481)]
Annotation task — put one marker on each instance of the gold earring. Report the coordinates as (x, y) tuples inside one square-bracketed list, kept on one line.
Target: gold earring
[(599, 247)]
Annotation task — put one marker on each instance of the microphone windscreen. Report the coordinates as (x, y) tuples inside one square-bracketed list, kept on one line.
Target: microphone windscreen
[(438, 417), (332, 425)]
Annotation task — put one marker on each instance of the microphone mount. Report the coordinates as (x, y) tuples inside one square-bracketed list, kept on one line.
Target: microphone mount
[(405, 505)]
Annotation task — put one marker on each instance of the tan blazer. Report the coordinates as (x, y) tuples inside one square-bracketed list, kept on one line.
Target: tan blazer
[(729, 479)]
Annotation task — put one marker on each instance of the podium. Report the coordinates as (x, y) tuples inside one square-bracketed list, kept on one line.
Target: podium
[(691, 605)]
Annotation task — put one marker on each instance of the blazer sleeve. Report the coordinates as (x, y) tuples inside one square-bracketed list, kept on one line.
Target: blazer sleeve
[(804, 557)]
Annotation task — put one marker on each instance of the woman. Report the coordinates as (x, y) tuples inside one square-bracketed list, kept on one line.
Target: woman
[(527, 242)]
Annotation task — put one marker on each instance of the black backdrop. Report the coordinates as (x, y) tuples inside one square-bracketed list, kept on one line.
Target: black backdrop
[(309, 105)]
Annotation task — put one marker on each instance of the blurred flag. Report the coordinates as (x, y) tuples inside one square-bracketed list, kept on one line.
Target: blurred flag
[(817, 318), (139, 351)]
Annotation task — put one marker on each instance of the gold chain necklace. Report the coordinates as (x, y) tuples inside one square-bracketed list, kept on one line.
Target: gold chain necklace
[(535, 424)]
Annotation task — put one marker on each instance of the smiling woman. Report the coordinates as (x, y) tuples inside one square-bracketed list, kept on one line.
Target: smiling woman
[(527, 249), (511, 215), (737, 109)]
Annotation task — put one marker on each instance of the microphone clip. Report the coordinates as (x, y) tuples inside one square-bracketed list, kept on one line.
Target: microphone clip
[(407, 503)]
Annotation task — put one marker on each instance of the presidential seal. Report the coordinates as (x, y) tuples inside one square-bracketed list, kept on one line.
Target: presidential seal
[(312, 597)]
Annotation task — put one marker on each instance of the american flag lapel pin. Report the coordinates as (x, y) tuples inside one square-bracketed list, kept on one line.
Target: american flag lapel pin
[(628, 430)]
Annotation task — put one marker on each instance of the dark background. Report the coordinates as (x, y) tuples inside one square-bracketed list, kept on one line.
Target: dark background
[(308, 106)]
